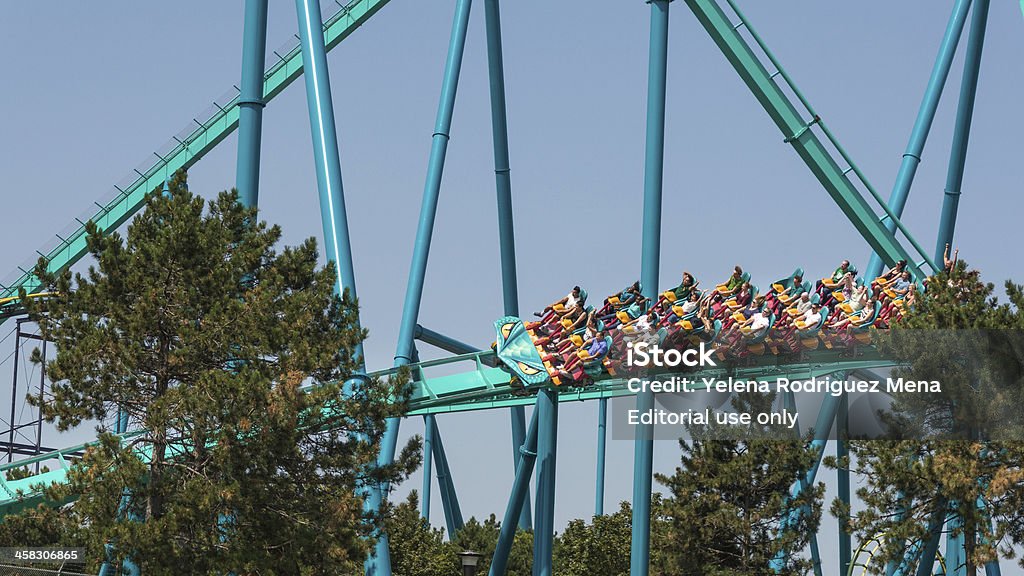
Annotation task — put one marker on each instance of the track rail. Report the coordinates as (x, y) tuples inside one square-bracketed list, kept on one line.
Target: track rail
[(462, 388), (185, 149)]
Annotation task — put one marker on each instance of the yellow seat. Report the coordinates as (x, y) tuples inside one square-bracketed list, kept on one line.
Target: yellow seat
[(685, 324), (622, 316), (678, 310), (576, 340), (614, 300), (839, 296), (558, 308), (739, 317), (778, 287), (669, 295)]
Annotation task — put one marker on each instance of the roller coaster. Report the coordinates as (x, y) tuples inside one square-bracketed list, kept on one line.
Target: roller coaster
[(574, 352)]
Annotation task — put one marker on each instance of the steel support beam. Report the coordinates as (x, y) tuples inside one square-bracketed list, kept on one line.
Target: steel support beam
[(380, 564), (962, 128), (923, 124), (446, 343), (602, 438), (843, 482), (325, 147), (547, 448), (955, 561), (516, 500), (798, 133), (250, 102), (503, 184), (654, 161), (449, 500), (428, 443)]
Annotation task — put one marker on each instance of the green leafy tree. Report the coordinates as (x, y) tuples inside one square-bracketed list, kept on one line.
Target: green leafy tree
[(227, 357), (482, 537), (956, 452), (417, 549), (601, 548), (730, 510)]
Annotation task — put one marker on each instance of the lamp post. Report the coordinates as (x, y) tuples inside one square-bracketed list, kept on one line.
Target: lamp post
[(469, 560)]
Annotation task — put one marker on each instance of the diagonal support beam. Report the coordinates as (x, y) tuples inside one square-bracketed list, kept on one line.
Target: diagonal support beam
[(794, 127)]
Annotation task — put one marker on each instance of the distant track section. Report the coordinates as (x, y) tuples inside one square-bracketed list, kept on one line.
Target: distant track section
[(185, 149)]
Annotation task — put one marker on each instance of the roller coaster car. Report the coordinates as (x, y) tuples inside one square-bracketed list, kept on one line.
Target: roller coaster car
[(733, 305), (617, 299), (721, 288), (803, 338), (755, 345), (518, 353), (830, 284), (858, 335), (780, 286)]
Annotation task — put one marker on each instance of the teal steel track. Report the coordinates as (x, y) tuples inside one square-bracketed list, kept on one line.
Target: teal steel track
[(473, 386), (189, 146), (824, 160)]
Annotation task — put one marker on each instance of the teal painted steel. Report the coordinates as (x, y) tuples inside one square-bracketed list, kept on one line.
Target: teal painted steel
[(337, 245), (449, 499), (955, 561), (516, 500), (923, 123), (962, 128), (380, 564), (250, 101), (602, 439), (654, 162), (478, 387), (805, 141), (428, 443), (503, 186), (547, 452), (194, 142), (843, 480)]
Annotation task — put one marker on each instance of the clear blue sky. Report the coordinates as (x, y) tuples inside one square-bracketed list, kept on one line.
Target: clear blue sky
[(92, 88)]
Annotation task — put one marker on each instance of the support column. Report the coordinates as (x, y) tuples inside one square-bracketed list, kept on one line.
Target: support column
[(547, 444), (250, 102), (654, 161), (380, 564), (506, 230), (925, 115), (602, 438), (843, 484), (962, 129), (449, 499), (325, 145), (428, 443), (516, 500)]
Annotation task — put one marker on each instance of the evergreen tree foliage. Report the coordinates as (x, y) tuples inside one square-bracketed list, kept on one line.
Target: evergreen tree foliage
[(601, 548), (956, 454), (417, 549), (730, 509), (227, 356)]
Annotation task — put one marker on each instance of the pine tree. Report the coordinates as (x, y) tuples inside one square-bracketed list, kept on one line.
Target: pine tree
[(416, 548), (730, 510), (956, 453), (227, 357)]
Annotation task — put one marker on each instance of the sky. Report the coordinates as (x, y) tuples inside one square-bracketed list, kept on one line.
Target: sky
[(93, 88)]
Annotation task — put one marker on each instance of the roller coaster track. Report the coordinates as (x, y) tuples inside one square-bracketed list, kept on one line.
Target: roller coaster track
[(824, 156), (473, 386), (186, 148)]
